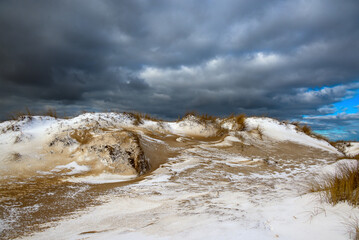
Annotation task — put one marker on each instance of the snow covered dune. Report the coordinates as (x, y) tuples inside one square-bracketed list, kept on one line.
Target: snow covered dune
[(287, 132), (41, 141), (115, 176)]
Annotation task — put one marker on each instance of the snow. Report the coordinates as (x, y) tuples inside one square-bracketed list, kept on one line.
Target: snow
[(283, 132), (293, 218), (74, 168), (332, 169), (191, 127), (190, 208), (352, 149), (35, 130), (102, 178), (304, 218), (227, 142), (151, 139)]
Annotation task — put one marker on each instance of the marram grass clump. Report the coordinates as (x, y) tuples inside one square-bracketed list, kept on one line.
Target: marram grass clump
[(201, 118), (308, 131), (50, 112), (341, 186), (239, 120), (139, 117)]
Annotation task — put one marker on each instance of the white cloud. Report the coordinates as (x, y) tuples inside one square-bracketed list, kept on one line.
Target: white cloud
[(303, 95), (160, 96), (327, 109), (339, 116), (217, 71)]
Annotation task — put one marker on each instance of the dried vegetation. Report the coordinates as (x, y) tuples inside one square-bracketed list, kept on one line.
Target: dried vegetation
[(139, 117), (201, 118), (239, 120), (341, 186), (50, 112), (308, 131)]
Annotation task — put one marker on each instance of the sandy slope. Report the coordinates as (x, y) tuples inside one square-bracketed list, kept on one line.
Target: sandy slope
[(242, 185)]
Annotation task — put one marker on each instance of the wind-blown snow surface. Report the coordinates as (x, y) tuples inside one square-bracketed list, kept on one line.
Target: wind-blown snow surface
[(242, 185)]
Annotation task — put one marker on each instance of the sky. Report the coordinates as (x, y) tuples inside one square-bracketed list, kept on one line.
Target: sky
[(291, 60)]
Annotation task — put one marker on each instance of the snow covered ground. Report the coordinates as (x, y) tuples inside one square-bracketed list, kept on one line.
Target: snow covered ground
[(243, 185), (352, 149), (212, 205)]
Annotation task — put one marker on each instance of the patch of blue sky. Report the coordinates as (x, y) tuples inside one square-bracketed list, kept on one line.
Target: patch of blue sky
[(349, 104), (335, 134)]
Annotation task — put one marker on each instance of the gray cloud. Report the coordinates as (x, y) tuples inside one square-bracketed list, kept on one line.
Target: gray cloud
[(278, 58)]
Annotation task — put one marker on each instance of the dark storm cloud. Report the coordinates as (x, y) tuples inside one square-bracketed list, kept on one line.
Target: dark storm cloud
[(278, 58)]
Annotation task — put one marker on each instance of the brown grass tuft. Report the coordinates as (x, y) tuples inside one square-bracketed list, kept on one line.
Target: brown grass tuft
[(260, 132), (21, 115), (239, 120), (202, 118), (136, 117), (304, 129), (29, 114), (149, 117), (354, 228), (340, 145), (308, 131), (207, 120), (51, 113), (187, 114), (342, 186), (221, 131)]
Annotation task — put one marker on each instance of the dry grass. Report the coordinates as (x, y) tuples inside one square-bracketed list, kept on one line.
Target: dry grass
[(83, 136), (303, 128), (206, 120), (353, 227), (21, 115), (342, 186), (239, 120), (202, 118), (320, 137), (221, 131), (138, 117), (260, 132), (257, 131), (51, 113), (29, 114), (149, 117), (341, 145), (308, 131)]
